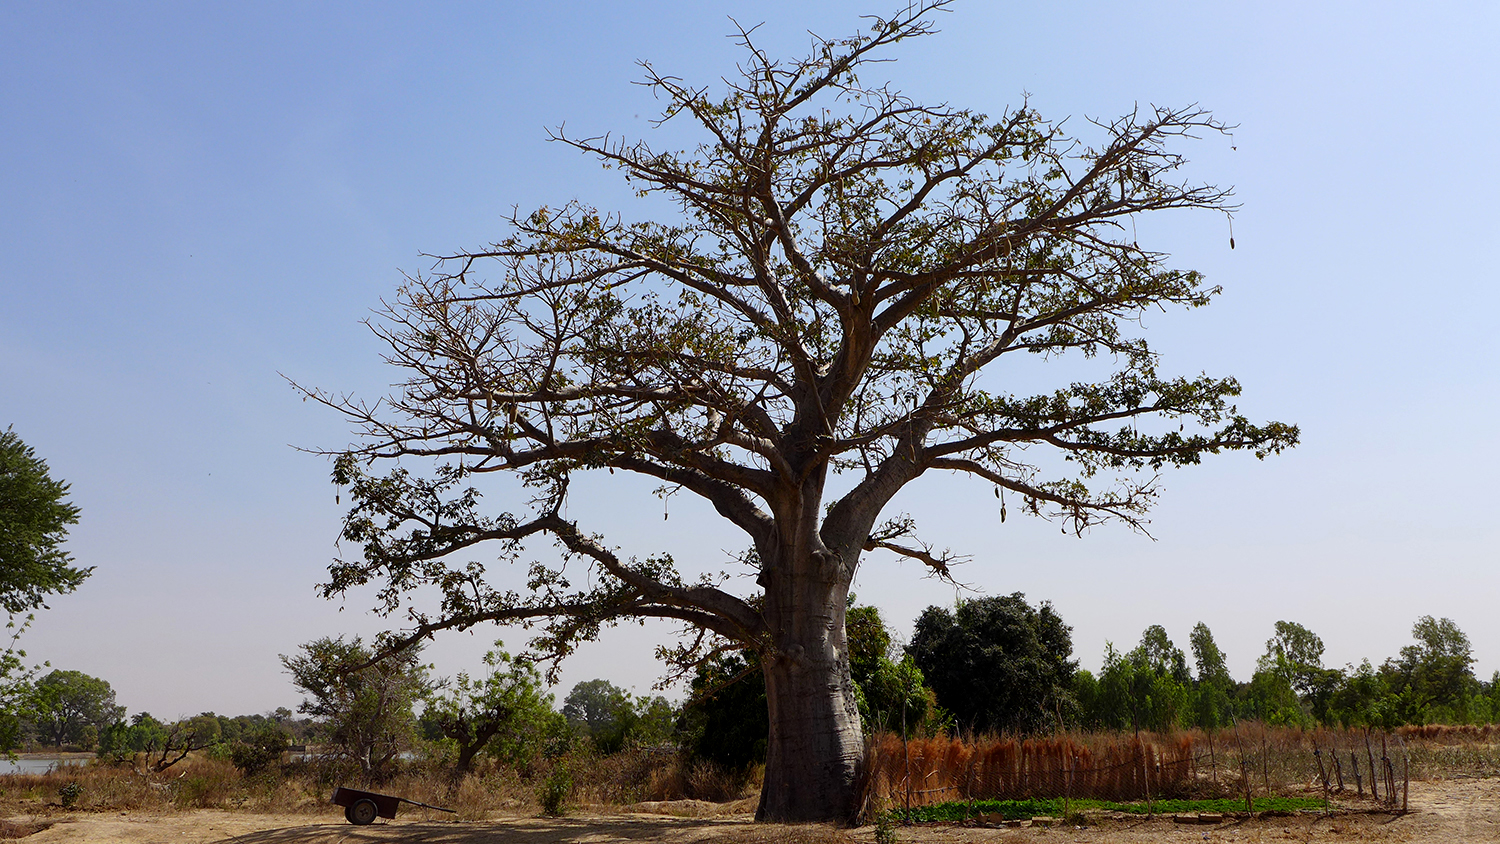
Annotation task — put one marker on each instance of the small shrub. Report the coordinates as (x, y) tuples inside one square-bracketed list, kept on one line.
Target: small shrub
[(885, 829), (69, 794), (554, 791), (258, 751)]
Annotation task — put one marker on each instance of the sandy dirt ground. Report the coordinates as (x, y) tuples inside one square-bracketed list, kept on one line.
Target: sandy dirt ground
[(1450, 812)]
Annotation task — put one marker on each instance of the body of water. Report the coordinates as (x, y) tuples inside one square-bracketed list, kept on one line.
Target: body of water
[(40, 764)]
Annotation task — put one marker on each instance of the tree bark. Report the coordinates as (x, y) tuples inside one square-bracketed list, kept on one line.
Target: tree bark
[(815, 751)]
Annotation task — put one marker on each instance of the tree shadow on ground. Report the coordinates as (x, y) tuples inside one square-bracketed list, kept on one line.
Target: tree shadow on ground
[(586, 830)]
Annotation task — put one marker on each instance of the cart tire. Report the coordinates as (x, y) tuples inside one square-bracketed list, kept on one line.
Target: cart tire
[(362, 812)]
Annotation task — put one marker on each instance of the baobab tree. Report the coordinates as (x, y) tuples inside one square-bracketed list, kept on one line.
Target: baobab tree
[(844, 266)]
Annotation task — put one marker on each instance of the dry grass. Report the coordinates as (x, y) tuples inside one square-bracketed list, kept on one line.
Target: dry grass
[(1106, 767), (1270, 760), (1253, 757), (12, 829)]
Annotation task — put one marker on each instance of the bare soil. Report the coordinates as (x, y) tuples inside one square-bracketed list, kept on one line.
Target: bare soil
[(1447, 811)]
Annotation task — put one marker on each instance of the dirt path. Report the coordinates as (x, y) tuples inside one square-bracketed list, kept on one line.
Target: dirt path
[(1443, 812)]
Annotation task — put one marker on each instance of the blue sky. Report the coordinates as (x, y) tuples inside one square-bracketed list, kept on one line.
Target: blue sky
[(199, 199)]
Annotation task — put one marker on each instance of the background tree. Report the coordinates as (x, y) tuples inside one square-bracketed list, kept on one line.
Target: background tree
[(1296, 654), (1290, 685), (844, 266), (895, 697), (997, 663), (34, 519), (1146, 688), (869, 640), (508, 707), (363, 704), (602, 711), (259, 747), (613, 718), (1212, 689), (70, 707), (121, 741), (1434, 676)]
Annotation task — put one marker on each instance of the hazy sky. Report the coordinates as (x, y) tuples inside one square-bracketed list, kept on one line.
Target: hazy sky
[(199, 199)]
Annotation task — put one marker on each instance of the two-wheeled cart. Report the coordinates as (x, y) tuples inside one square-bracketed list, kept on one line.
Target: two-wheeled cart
[(363, 807)]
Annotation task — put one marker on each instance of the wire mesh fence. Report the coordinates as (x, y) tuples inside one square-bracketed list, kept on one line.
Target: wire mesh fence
[(1249, 761)]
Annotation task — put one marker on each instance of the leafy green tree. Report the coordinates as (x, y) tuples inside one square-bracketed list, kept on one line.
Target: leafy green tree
[(602, 711), (258, 747), (896, 697), (121, 741), (1362, 700), (997, 663), (1147, 688), (613, 718), (869, 640), (1270, 697), (1211, 692), (34, 520), (16, 690), (364, 704), (70, 707), (1296, 655), (1092, 712), (802, 338), (1438, 668), (507, 708)]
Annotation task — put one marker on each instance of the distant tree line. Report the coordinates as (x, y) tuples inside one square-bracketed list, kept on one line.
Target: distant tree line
[(1150, 687), (986, 665)]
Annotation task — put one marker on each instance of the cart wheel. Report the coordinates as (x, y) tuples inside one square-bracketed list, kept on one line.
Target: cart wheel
[(363, 812)]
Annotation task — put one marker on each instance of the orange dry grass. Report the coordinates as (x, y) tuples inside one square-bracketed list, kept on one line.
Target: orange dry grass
[(1107, 767)]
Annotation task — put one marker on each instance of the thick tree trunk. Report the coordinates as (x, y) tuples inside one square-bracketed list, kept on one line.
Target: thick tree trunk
[(815, 751)]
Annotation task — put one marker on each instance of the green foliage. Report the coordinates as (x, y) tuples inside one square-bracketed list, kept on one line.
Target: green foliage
[(555, 790), (1138, 690), (997, 664), (507, 712), (1211, 692), (895, 697), (70, 707), (1438, 668), (121, 741), (258, 749), (69, 794), (1055, 807), (613, 719), (869, 640), (1296, 655), (16, 690), (34, 519), (363, 705)]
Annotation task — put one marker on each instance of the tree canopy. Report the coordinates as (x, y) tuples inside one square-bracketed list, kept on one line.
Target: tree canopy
[(508, 710), (997, 663), (71, 707), (844, 269), (362, 700), (34, 519)]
